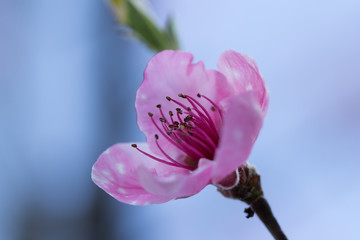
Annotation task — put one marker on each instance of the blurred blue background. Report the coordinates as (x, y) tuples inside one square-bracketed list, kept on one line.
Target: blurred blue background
[(67, 85)]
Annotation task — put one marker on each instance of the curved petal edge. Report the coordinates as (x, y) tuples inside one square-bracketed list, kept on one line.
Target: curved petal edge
[(242, 123)]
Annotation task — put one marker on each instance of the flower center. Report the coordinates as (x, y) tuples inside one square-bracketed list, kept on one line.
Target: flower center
[(192, 129)]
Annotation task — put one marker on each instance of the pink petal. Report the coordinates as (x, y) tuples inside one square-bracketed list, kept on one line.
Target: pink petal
[(167, 74), (116, 172), (243, 119), (243, 74), (178, 185)]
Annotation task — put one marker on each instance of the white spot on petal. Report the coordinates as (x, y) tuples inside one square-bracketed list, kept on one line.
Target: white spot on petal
[(107, 151), (121, 190), (249, 87), (144, 96), (108, 175), (236, 74), (120, 168), (133, 203), (101, 180)]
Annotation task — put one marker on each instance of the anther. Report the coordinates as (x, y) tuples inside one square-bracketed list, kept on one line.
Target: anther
[(162, 120), (188, 118), (199, 95), (156, 136), (171, 113), (171, 126), (168, 98), (188, 108), (134, 145), (179, 110), (150, 114), (213, 108), (158, 106), (181, 95)]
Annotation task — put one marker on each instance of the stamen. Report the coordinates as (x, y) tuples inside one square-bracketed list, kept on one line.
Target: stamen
[(171, 117), (201, 134), (155, 158), (178, 115), (193, 131), (207, 118), (161, 112), (180, 139), (197, 140), (175, 143), (168, 157), (178, 103), (165, 127), (202, 124), (178, 110), (203, 148), (214, 104), (188, 118)]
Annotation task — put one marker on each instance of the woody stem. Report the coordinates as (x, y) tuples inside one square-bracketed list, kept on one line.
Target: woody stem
[(262, 209), (249, 190)]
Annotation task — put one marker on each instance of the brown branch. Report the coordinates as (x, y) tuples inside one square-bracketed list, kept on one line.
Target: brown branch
[(249, 190), (262, 208)]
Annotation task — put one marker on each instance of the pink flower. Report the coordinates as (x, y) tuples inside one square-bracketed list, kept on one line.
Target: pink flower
[(200, 126)]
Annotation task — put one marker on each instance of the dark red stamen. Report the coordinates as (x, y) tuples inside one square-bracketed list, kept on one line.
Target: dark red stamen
[(155, 158), (210, 121), (174, 142), (215, 106), (168, 157), (193, 131)]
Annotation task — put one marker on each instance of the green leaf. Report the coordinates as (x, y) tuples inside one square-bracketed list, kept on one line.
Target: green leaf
[(142, 26)]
